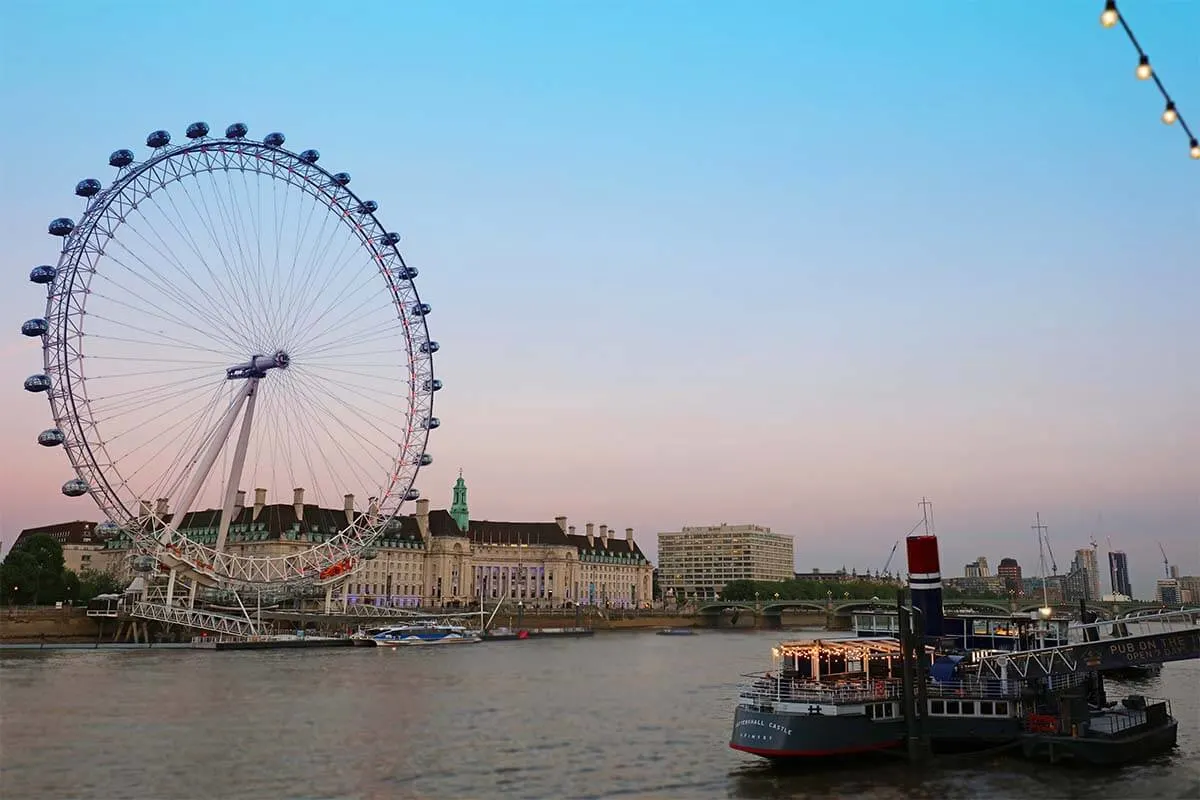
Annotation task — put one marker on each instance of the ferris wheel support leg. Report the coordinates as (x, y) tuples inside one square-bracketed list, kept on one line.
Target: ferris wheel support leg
[(239, 461), (207, 460), (171, 588), (328, 598), (192, 594)]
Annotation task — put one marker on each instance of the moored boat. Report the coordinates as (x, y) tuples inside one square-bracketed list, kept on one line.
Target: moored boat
[(840, 697), (675, 632), (990, 681), (416, 634)]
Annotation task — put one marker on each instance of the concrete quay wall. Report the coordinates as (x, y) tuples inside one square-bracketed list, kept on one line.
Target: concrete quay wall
[(50, 624)]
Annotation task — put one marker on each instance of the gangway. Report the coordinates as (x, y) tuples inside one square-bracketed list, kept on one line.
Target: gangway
[(1154, 639), (213, 621)]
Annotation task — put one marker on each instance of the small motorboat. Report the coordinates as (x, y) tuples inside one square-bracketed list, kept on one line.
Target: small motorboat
[(676, 632)]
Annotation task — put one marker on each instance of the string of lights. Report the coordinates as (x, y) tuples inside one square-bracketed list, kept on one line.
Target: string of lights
[(1170, 115)]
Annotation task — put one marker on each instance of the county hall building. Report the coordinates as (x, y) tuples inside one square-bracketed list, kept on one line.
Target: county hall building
[(439, 557)]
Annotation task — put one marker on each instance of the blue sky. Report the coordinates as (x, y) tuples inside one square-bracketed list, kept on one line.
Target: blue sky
[(790, 263)]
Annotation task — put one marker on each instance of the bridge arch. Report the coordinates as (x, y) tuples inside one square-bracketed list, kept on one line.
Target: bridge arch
[(779, 606)]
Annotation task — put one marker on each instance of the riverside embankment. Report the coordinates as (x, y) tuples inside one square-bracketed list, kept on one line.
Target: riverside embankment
[(68, 624)]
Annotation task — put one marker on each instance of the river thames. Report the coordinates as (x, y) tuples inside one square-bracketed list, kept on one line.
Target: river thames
[(618, 715)]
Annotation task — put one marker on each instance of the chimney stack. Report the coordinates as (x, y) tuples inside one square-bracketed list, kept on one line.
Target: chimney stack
[(423, 517), (604, 536), (298, 504), (239, 501), (373, 509), (629, 538), (260, 500), (570, 530), (590, 537), (562, 523), (348, 507), (160, 506), (143, 508)]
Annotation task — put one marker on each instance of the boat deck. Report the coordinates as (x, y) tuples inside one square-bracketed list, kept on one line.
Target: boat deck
[(1115, 721)]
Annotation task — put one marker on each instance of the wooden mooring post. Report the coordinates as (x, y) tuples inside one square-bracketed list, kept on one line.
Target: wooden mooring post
[(915, 671)]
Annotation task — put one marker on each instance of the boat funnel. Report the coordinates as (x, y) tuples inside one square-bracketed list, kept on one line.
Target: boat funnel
[(925, 581)]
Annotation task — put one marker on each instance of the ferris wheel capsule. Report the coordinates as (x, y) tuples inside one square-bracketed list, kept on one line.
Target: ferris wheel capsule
[(35, 327), (120, 158), (158, 139), (197, 130), (75, 487), (43, 274), (51, 437), (61, 227), (145, 564), (87, 187)]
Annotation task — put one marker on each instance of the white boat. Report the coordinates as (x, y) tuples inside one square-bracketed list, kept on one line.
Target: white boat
[(421, 632)]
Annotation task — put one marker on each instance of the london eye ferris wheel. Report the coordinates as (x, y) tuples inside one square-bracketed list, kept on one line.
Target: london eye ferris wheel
[(228, 315)]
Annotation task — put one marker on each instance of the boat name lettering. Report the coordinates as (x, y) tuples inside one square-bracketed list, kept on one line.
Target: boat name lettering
[(775, 726)]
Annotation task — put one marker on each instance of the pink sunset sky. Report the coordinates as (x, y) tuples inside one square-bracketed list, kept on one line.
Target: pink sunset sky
[(723, 281)]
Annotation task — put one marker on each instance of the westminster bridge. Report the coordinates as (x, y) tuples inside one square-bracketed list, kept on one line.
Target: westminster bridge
[(837, 613)]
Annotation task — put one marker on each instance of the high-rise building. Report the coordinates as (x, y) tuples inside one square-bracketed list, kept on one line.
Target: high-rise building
[(1010, 575), (1167, 592), (977, 568), (699, 561), (1085, 561), (1118, 573), (1189, 588)]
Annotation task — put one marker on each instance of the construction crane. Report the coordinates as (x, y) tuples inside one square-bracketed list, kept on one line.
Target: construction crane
[(1166, 564), (891, 555)]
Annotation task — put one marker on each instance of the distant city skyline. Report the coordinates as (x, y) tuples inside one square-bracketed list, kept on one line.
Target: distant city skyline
[(790, 265)]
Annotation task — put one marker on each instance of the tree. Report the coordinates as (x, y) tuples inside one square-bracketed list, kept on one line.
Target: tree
[(92, 583), (32, 572)]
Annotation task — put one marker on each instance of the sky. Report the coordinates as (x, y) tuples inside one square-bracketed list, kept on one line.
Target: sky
[(798, 264)]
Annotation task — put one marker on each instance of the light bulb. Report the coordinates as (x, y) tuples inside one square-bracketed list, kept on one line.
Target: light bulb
[(1143, 68), (1110, 16), (1195, 149), (1169, 114)]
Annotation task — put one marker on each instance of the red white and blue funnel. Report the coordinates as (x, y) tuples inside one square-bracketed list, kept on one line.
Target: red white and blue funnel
[(925, 581)]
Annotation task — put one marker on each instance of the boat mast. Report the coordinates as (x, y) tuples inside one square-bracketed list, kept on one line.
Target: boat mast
[(1041, 534), (927, 515)]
